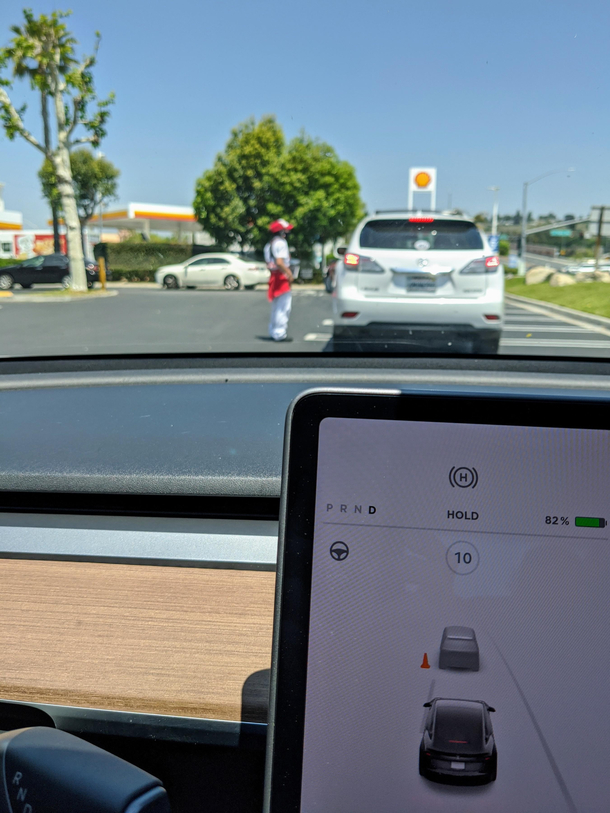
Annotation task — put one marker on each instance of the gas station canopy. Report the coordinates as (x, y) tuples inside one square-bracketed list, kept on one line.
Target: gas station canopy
[(147, 217)]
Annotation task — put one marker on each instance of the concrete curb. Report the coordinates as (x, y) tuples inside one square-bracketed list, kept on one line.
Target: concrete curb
[(25, 299), (560, 309)]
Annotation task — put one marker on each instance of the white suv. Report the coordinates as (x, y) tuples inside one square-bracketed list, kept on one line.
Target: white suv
[(420, 280)]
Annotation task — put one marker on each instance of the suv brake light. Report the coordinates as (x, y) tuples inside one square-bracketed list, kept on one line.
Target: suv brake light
[(421, 220), (482, 265), (355, 262)]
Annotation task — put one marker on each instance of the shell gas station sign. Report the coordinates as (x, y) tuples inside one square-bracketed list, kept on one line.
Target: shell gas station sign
[(422, 179)]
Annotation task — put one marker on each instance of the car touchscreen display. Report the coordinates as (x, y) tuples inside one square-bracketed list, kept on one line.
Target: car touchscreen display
[(459, 644)]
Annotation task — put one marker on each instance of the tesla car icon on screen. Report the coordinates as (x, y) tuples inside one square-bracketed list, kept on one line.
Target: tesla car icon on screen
[(459, 649), (458, 745)]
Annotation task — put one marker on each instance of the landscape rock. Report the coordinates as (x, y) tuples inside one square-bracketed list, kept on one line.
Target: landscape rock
[(537, 274), (558, 280), (602, 276), (585, 276)]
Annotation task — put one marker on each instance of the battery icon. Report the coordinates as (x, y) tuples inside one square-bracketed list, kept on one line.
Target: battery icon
[(590, 522)]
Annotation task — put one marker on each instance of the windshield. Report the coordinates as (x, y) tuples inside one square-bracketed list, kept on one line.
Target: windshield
[(217, 201), (34, 263)]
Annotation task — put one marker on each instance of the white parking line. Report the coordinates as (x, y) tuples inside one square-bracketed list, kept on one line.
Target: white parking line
[(327, 322), (317, 337)]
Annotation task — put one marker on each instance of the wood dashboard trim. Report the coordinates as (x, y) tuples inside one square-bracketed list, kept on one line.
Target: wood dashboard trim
[(174, 641)]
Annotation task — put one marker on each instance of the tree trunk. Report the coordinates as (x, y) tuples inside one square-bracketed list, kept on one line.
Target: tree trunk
[(56, 240), (83, 223), (61, 161)]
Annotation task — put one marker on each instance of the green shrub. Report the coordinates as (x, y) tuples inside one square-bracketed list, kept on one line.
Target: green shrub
[(318, 276), (4, 263), (142, 257), (131, 275), (504, 247)]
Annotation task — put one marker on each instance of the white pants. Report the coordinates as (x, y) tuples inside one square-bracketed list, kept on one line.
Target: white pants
[(280, 313)]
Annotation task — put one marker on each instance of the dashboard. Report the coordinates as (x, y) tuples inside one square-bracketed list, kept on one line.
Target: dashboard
[(139, 504)]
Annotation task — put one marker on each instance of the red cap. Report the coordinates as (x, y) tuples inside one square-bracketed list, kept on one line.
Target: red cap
[(280, 225)]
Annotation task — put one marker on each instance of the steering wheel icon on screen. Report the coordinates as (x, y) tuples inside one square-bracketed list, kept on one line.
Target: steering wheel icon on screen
[(339, 551)]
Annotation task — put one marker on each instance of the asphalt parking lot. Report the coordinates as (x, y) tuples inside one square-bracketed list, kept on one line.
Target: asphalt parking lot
[(151, 320)]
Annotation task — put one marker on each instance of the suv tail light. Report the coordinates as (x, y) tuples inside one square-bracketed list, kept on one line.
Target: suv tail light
[(354, 262), (483, 265)]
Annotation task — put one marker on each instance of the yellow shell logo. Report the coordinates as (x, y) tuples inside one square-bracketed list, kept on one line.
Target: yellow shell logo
[(422, 180)]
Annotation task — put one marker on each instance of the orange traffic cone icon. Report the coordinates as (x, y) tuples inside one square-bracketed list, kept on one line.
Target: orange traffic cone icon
[(425, 664)]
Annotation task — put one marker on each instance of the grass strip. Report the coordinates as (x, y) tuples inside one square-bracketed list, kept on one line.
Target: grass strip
[(589, 297)]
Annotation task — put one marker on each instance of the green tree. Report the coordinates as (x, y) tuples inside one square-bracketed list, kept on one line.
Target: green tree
[(231, 197), (94, 179), (258, 179), (42, 52), (317, 191)]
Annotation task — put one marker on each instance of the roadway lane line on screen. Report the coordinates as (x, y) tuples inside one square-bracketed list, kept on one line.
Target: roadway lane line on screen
[(545, 746)]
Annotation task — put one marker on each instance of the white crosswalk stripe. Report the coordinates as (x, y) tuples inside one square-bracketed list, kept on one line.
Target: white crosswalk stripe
[(537, 343), (525, 329), (550, 328)]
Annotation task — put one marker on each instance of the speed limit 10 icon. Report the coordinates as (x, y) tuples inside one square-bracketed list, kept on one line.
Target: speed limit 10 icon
[(462, 558)]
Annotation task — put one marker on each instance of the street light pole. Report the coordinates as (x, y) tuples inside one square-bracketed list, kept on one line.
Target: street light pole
[(494, 216), (523, 229), (524, 212)]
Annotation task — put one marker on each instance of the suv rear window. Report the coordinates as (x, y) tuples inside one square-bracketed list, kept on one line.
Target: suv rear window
[(441, 235)]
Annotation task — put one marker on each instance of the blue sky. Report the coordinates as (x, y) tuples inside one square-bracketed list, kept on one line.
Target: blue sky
[(490, 93)]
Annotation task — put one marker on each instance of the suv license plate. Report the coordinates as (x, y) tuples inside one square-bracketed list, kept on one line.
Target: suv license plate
[(457, 766), (424, 285)]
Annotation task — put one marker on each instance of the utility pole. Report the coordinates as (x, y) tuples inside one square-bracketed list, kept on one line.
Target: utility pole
[(494, 220), (598, 241), (494, 216), (523, 228), (56, 242)]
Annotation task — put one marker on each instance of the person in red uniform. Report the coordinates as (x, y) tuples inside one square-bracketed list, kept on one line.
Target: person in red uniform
[(277, 257)]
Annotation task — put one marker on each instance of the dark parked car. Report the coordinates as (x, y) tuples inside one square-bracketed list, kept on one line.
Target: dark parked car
[(458, 745), (459, 649), (47, 269)]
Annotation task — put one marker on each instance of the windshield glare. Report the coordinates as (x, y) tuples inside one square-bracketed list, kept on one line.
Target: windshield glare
[(297, 175)]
